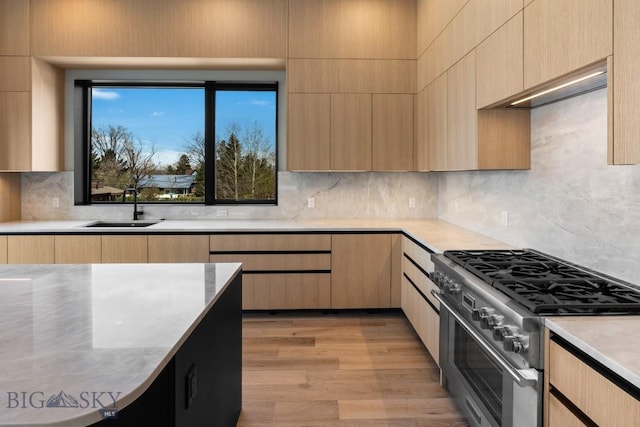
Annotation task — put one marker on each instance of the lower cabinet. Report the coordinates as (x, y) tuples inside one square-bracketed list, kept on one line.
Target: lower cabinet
[(280, 271), (579, 395), (31, 249), (361, 270), (178, 248), (420, 307), (78, 249), (124, 248), (3, 249)]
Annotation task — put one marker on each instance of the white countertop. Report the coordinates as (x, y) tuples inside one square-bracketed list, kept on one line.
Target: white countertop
[(611, 340), (85, 329), (435, 234)]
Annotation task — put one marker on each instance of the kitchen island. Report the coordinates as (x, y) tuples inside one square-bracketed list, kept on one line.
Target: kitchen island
[(120, 344)]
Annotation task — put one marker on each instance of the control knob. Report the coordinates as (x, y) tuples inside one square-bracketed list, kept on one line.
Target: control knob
[(451, 287), (501, 331), (478, 314), (516, 343), (491, 321)]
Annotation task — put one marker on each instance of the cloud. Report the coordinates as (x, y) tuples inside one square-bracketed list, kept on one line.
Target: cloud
[(257, 103), (157, 114), (104, 95)]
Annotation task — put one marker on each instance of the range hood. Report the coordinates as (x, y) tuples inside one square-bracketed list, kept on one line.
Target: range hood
[(574, 84)]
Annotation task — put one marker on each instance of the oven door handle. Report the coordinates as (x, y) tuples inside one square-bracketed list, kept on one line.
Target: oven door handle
[(522, 377)]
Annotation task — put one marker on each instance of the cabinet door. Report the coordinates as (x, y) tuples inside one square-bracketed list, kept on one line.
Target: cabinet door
[(286, 291), (10, 196), (14, 27), (3, 249), (351, 132), (424, 319), (462, 146), (499, 64), (179, 248), (561, 416), (15, 131), (392, 146), (308, 142), (361, 271), (563, 36), (431, 147), (626, 90), (31, 250), (78, 249), (124, 249)]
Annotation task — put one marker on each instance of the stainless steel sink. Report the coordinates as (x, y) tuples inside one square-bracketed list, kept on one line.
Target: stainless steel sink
[(121, 224)]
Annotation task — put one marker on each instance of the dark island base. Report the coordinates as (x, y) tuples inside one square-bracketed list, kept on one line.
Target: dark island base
[(202, 384)]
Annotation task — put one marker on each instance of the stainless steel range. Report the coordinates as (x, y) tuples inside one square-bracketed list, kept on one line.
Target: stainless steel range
[(492, 304)]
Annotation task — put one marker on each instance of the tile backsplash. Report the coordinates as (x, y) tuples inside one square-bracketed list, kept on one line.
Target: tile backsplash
[(337, 195)]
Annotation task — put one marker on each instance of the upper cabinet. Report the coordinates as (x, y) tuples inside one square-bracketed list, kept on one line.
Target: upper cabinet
[(462, 147), (499, 63), (563, 36), (31, 115), (160, 28), (14, 27), (351, 82), (362, 29), (625, 144)]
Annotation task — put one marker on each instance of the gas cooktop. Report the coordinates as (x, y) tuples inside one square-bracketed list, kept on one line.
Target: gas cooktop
[(548, 286)]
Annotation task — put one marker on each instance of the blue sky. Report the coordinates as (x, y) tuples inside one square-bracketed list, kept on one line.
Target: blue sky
[(166, 117)]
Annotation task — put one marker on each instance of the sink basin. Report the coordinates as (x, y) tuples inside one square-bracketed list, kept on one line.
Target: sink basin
[(121, 224)]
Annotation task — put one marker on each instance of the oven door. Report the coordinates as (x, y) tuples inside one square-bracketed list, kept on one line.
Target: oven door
[(487, 389)]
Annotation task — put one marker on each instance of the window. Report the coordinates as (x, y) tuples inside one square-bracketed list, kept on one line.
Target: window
[(209, 142)]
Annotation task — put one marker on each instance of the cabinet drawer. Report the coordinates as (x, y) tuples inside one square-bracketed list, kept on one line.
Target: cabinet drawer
[(561, 416), (419, 279), (286, 291), (420, 255), (269, 242), (587, 389), (30, 250), (277, 262), (424, 319)]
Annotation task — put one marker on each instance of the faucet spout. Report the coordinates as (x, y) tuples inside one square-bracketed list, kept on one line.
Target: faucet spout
[(136, 212)]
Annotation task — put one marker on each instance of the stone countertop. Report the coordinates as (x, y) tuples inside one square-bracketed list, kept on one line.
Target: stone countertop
[(611, 340), (435, 234), (94, 334)]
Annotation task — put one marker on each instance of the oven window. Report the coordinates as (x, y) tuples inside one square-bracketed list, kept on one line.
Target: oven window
[(479, 371)]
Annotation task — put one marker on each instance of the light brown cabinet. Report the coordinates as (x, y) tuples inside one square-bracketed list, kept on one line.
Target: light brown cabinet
[(625, 144), (431, 141), (160, 28), (563, 36), (14, 27), (125, 248), (392, 132), (10, 196), (3, 249), (280, 271), (178, 248), (569, 377), (31, 115), (351, 132), (500, 63), (420, 307), (361, 271), (31, 249), (78, 249), (309, 124), (462, 145)]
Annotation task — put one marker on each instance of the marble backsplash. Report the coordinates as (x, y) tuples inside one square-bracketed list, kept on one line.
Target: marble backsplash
[(570, 204), (337, 195)]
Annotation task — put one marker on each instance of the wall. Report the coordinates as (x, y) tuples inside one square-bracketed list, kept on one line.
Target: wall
[(337, 195), (570, 204)]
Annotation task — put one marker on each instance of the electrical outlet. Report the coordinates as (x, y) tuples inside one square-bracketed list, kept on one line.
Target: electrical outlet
[(412, 202), (222, 212), (311, 202), (504, 217), (55, 202)]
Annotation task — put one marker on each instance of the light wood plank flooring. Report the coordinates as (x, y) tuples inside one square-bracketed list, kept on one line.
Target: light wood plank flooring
[(346, 369)]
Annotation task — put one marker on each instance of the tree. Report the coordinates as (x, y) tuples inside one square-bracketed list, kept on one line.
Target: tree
[(228, 165), (260, 175), (195, 150), (138, 163)]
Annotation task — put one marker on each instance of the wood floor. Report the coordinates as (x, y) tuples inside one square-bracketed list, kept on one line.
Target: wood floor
[(346, 369)]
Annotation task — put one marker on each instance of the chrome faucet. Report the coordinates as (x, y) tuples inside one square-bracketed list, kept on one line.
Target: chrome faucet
[(136, 212)]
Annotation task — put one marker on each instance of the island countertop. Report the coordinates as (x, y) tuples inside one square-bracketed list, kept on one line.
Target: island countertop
[(84, 337)]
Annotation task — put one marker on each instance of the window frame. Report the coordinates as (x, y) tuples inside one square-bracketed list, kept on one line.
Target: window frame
[(82, 130)]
